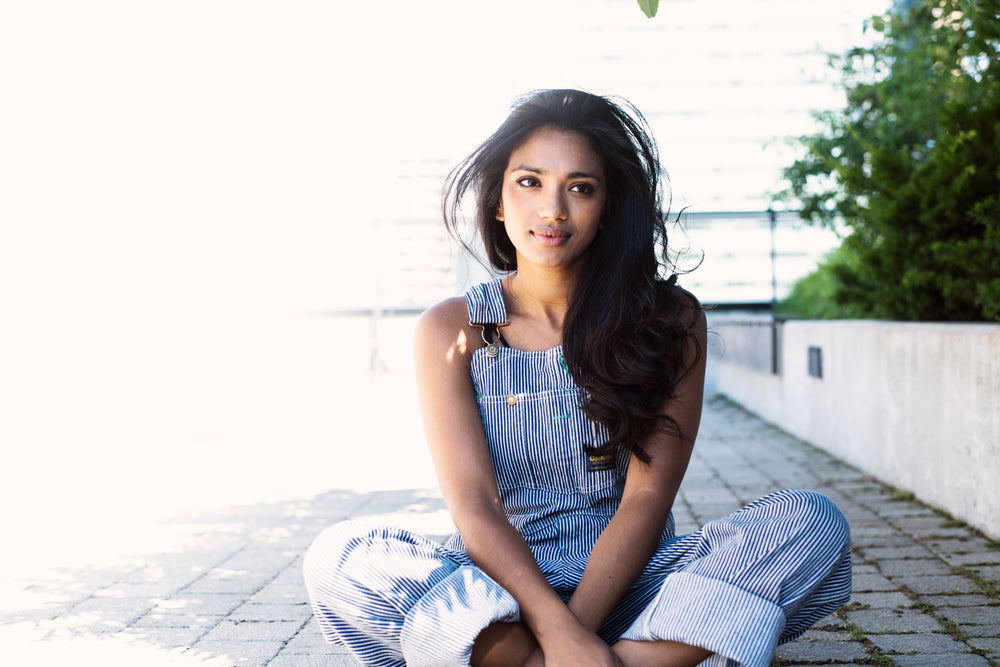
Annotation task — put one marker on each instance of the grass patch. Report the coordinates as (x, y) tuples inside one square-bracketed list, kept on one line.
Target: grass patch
[(987, 587), (877, 656), (873, 654), (954, 630)]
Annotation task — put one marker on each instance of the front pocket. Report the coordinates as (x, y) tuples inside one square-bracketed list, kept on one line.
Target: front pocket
[(540, 441), (504, 426)]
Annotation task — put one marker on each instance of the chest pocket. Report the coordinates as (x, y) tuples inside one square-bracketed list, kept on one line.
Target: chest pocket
[(539, 441)]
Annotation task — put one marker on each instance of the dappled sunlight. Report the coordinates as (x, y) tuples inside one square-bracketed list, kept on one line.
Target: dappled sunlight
[(237, 579), (107, 651)]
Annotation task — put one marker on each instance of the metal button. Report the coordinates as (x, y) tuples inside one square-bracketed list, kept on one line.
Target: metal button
[(511, 399)]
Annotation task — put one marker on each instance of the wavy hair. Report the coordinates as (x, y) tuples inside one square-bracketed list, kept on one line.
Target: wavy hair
[(625, 333)]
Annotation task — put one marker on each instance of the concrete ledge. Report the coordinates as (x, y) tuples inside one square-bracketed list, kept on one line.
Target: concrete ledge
[(915, 404)]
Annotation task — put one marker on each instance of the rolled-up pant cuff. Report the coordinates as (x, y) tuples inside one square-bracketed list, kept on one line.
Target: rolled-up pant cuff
[(442, 627), (700, 611)]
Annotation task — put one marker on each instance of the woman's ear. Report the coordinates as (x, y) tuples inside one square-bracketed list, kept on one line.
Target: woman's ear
[(500, 211)]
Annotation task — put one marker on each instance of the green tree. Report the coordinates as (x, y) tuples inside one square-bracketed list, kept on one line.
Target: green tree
[(912, 166)]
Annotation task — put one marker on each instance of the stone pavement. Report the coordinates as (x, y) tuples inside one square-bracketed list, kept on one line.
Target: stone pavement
[(926, 586)]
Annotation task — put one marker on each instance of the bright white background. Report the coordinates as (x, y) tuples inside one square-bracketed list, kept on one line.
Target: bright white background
[(186, 187)]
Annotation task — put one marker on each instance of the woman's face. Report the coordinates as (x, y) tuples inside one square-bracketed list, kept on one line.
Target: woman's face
[(552, 197)]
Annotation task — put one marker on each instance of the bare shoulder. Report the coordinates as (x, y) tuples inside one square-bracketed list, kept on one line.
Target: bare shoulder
[(444, 327)]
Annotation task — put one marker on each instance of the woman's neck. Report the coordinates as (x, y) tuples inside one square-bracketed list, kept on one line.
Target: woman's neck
[(537, 301)]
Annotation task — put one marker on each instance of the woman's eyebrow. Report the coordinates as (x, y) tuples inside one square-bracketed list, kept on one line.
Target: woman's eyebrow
[(541, 172)]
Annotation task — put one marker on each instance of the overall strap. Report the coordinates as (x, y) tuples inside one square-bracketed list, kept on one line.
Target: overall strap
[(486, 311), (485, 302)]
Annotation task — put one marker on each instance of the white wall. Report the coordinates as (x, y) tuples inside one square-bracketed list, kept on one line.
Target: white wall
[(915, 404)]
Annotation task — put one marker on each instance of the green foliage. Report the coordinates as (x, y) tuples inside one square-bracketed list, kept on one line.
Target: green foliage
[(649, 7), (816, 296), (912, 166)]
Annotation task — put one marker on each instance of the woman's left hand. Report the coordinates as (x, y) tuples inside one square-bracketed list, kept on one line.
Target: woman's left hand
[(574, 648)]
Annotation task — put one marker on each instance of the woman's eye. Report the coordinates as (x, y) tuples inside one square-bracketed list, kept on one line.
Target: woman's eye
[(583, 188), (528, 181)]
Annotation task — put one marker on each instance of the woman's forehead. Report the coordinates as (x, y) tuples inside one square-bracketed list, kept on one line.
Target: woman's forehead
[(553, 149)]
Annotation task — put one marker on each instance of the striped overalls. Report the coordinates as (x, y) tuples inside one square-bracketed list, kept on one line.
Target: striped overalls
[(738, 586)]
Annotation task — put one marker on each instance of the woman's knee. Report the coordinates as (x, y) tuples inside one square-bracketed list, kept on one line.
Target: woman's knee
[(815, 514), (331, 549)]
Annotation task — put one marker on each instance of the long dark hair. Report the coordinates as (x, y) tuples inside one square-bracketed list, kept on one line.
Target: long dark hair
[(627, 329)]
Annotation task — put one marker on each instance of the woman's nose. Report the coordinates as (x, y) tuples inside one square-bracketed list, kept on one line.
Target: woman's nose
[(553, 207)]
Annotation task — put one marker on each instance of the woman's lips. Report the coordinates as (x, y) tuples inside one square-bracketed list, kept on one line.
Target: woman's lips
[(550, 236)]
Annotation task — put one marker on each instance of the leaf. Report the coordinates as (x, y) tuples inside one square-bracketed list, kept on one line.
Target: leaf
[(649, 7)]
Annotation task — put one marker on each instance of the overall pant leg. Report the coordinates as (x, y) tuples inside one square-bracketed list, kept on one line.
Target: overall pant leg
[(749, 581), (396, 598)]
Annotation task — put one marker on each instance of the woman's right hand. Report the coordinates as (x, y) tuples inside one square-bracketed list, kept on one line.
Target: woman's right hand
[(574, 647)]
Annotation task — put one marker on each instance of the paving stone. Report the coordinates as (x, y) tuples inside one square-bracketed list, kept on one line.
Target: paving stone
[(933, 585), (881, 600), (275, 594), (236, 653), (169, 638), (290, 576), (883, 537), (934, 660), (144, 589), (973, 615), (108, 607), (902, 550), (982, 630), (271, 612), (893, 620), (830, 622), (859, 568), (906, 567), (991, 572), (260, 560), (215, 604), (964, 544), (331, 660), (922, 643), (970, 559), (821, 651), (990, 644), (875, 528), (81, 625), (931, 532), (159, 619), (253, 631), (223, 580), (825, 635), (925, 520), (897, 511), (872, 583), (971, 600), (309, 640)]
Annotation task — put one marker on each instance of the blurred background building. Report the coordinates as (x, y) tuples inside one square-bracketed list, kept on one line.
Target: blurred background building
[(725, 86)]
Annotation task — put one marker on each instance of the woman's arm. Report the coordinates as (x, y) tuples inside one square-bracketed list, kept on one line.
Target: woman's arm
[(630, 539), (444, 346)]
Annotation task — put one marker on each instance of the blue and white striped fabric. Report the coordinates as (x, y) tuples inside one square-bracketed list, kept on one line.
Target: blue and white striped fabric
[(739, 586)]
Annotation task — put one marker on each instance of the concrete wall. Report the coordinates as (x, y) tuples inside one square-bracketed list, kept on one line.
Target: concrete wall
[(916, 405)]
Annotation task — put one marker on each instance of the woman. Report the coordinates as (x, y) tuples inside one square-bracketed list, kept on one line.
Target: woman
[(561, 403)]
